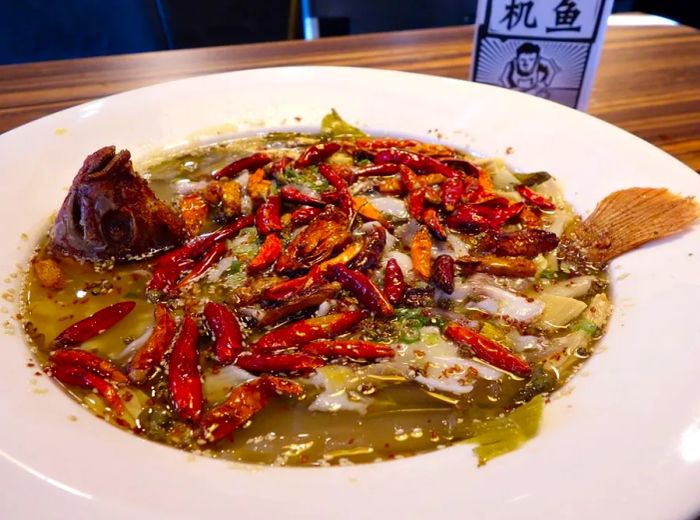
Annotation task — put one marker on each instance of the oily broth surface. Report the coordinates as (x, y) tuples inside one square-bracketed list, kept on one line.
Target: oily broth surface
[(403, 417), (403, 420)]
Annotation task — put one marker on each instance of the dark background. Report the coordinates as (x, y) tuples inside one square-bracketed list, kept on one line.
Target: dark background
[(36, 30)]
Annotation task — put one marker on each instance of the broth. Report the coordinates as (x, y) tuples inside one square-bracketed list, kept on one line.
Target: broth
[(360, 411)]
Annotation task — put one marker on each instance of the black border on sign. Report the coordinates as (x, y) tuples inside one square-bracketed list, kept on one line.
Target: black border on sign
[(482, 34), (487, 22)]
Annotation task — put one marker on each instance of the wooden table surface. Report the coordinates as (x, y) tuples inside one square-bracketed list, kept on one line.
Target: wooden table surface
[(648, 81)]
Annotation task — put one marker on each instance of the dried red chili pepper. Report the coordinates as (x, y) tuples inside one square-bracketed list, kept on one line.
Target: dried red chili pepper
[(535, 198), (304, 331), (270, 251), (434, 224), (409, 179), (76, 376), (394, 282), (287, 363), (327, 232), (170, 266), (365, 208), (341, 197), (93, 325), (231, 229), (370, 146), (333, 177), (317, 274), (304, 215), (184, 380), (191, 250), (349, 204), (372, 143), (375, 241), (350, 348), (252, 162), (291, 194), (416, 203), (331, 197), (87, 361), (474, 193), (280, 165), (364, 290), (495, 203), (467, 167), (319, 271), (242, 403), (421, 251), (477, 217), (488, 350), (150, 356), (267, 218), (226, 331), (296, 303), (443, 273), (315, 154), (287, 288), (498, 265), (451, 192), (217, 251), (165, 277), (414, 161), (524, 242), (378, 170)]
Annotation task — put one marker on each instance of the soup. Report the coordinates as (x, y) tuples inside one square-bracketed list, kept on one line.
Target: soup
[(297, 299)]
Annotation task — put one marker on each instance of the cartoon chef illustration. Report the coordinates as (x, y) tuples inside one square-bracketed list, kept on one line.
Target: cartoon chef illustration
[(529, 71)]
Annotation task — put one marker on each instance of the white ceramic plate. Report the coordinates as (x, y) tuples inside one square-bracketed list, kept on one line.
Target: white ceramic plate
[(624, 444)]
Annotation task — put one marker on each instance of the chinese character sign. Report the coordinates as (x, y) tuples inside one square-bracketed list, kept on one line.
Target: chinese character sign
[(548, 48)]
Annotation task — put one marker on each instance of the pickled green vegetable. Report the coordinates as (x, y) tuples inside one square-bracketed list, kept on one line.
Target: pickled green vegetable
[(500, 435), (332, 125)]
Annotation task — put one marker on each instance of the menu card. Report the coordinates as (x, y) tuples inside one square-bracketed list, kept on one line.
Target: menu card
[(548, 48)]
